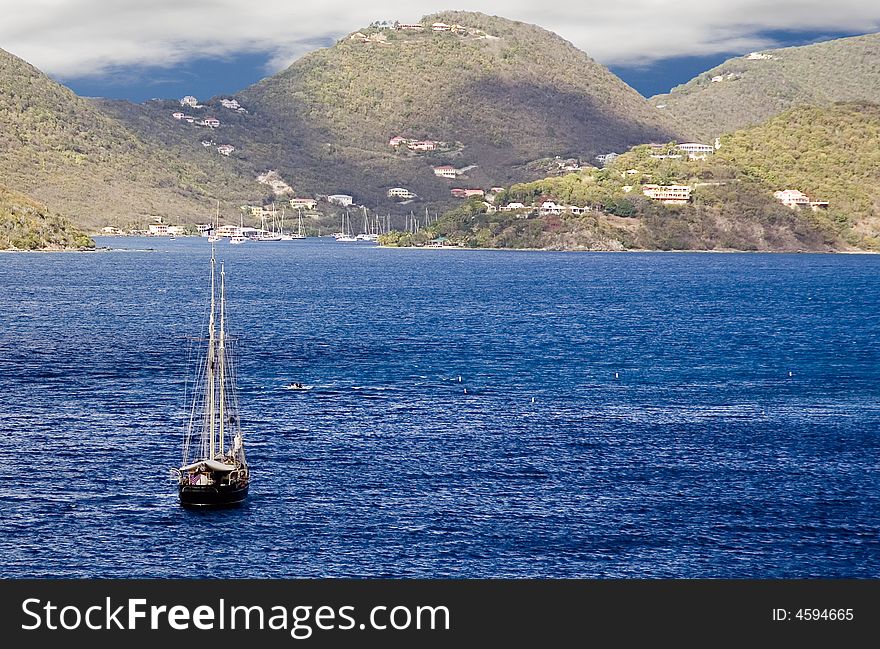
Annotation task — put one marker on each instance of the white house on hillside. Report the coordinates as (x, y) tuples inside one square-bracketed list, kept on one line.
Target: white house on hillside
[(671, 194), (340, 199), (400, 192)]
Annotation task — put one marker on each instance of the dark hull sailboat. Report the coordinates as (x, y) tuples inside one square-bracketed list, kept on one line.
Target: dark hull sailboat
[(213, 496), (214, 474)]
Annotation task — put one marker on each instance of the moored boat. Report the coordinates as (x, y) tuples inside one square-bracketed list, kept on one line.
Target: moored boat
[(214, 472)]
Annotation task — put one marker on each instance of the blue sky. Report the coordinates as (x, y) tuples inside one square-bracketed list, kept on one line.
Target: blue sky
[(168, 48)]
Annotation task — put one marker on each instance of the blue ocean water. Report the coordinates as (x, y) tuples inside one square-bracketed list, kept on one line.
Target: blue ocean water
[(626, 415)]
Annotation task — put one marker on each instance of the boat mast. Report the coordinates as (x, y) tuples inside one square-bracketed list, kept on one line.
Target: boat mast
[(222, 352), (211, 358)]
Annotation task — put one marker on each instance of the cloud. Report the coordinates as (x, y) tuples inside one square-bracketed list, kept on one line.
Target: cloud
[(82, 38)]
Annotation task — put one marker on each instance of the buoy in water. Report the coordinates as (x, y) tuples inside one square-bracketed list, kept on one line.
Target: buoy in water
[(533, 399), (465, 390), (616, 375), (459, 378), (790, 374)]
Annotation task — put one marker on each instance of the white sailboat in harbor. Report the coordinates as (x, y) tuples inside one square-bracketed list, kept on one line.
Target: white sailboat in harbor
[(266, 234), (368, 234), (345, 236), (214, 473), (300, 234), (239, 238)]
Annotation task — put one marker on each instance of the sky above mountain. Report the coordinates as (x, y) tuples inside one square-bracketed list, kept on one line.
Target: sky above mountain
[(137, 50)]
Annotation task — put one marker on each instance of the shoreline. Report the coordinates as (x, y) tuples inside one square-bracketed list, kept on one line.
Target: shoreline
[(644, 250)]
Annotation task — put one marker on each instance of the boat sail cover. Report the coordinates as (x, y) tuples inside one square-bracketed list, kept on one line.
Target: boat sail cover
[(220, 467)]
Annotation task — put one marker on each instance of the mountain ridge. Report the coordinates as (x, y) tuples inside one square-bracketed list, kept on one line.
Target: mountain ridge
[(750, 89)]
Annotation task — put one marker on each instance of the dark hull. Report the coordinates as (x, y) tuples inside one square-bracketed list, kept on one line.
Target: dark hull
[(213, 495)]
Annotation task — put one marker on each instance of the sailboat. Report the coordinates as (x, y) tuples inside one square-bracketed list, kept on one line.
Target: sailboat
[(268, 235), (214, 474), (215, 236), (367, 234), (299, 227), (345, 236), (239, 238)]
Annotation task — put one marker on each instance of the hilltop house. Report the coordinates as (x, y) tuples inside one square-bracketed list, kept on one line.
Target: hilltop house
[(211, 122), (606, 159), (225, 149), (340, 199), (445, 171), (426, 145), (397, 140), (550, 207), (415, 27), (178, 115), (511, 207), (795, 199), (440, 27), (190, 101), (669, 194), (308, 203), (695, 149), (473, 192), (232, 104), (400, 192)]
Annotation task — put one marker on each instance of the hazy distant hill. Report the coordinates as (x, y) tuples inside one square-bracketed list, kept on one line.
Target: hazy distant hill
[(751, 90), (501, 93), (26, 224), (59, 148)]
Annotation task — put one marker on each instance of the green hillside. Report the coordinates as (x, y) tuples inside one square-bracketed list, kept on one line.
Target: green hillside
[(84, 164), (26, 224), (753, 90), (500, 94), (830, 154)]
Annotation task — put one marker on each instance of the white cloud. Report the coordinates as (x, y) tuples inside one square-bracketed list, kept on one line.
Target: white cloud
[(77, 38)]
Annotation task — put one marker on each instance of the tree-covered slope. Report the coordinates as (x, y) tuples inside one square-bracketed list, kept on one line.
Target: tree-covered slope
[(751, 90), (59, 148), (830, 154), (499, 92), (26, 224)]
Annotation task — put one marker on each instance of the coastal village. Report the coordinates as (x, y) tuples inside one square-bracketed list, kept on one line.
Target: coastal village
[(668, 194), (195, 114)]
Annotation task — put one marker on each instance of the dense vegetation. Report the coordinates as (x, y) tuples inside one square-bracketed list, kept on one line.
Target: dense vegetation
[(507, 92), (62, 150), (828, 153), (512, 101), (27, 225), (751, 91)]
